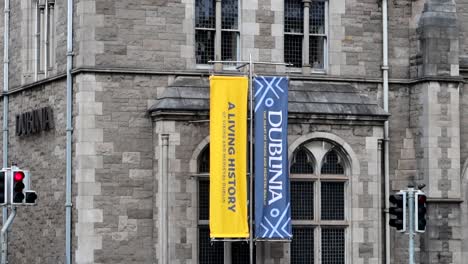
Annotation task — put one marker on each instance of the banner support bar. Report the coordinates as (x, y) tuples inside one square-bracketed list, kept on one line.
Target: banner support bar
[(251, 244), (245, 63)]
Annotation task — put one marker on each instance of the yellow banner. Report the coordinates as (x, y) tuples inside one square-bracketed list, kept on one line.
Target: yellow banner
[(228, 157)]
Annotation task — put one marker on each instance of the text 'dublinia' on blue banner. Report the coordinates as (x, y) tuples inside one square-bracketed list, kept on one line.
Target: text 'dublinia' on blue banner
[(272, 198)]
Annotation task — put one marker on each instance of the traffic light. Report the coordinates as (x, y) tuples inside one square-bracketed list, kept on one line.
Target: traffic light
[(19, 184), (397, 211), (420, 213), (30, 198), (3, 186)]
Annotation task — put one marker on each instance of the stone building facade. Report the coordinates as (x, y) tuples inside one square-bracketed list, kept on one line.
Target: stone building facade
[(141, 98)]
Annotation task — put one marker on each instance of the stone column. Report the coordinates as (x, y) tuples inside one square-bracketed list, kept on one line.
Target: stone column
[(435, 124), (163, 197)]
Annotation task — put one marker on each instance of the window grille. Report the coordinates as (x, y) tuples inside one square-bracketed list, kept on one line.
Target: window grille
[(317, 17), (293, 32), (302, 245), (203, 199), (204, 160), (205, 14), (229, 14), (293, 16), (333, 246), (205, 30), (318, 205), (213, 252), (302, 162), (205, 19), (229, 49), (316, 48), (332, 164), (302, 200), (332, 200), (209, 253), (317, 34), (241, 253)]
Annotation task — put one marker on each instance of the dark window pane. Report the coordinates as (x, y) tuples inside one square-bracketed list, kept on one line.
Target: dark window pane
[(205, 13), (204, 160), (230, 13), (229, 46), (204, 45), (293, 16), (293, 50), (209, 253), (241, 253), (302, 245), (302, 200), (332, 198), (203, 199), (316, 50), (302, 162), (332, 164), (333, 246), (317, 17)]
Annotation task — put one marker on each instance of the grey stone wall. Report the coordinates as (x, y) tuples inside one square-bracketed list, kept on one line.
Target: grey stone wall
[(114, 168), (40, 230)]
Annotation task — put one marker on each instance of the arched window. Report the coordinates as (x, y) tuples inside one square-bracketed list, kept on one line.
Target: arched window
[(332, 163), (318, 188), (302, 162), (217, 252)]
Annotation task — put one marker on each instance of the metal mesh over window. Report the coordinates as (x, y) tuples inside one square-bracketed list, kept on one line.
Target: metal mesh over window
[(302, 162), (203, 199), (293, 50), (302, 245), (209, 253), (205, 14), (229, 45), (332, 164), (332, 201), (240, 253), (293, 16), (204, 160), (204, 45), (229, 14), (316, 50), (333, 246), (317, 17), (302, 200)]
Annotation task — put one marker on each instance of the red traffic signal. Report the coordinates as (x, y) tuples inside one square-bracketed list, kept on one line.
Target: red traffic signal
[(420, 199), (18, 176), (19, 184)]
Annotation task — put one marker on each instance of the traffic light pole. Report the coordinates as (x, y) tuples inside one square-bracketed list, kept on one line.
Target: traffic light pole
[(3, 235), (411, 225)]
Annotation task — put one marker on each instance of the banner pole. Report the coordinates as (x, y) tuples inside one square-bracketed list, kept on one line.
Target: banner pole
[(251, 245)]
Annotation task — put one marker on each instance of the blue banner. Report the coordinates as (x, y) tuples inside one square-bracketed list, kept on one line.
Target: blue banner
[(272, 198)]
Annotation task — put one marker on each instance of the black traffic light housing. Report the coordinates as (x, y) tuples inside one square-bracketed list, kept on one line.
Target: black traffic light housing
[(397, 211), (420, 206), (3, 186), (19, 184)]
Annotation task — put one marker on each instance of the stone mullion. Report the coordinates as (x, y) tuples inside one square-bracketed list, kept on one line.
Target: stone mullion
[(305, 45)]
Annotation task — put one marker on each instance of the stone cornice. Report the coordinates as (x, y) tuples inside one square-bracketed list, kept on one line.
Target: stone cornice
[(292, 76)]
